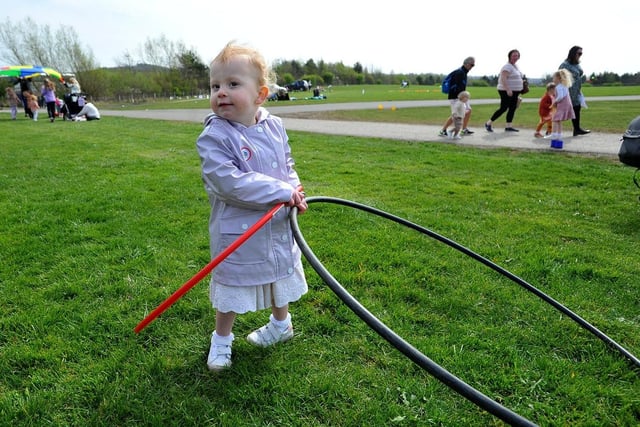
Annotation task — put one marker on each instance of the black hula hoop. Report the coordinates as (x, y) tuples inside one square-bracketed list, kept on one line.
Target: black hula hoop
[(407, 349)]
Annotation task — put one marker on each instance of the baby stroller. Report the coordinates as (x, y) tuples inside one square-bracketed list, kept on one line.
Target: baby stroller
[(72, 104), (629, 153)]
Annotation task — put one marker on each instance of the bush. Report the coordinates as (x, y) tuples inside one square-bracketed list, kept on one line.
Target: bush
[(314, 79), (478, 83)]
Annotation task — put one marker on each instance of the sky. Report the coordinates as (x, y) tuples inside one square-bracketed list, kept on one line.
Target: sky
[(409, 37)]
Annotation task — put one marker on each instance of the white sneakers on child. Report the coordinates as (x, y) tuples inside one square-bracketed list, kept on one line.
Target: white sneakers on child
[(270, 334), (220, 353)]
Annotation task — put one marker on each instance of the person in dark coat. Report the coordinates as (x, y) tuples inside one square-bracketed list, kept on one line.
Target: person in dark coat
[(25, 89), (459, 84), (572, 64)]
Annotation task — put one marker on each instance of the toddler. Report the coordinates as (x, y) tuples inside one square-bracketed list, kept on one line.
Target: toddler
[(32, 103), (545, 111), (458, 110), (247, 168), (13, 100), (562, 103)]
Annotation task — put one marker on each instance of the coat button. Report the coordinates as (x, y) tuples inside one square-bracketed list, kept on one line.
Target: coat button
[(259, 129), (284, 237), (290, 270), (274, 165), (245, 226)]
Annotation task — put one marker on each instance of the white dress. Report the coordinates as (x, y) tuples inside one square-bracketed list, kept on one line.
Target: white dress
[(242, 299)]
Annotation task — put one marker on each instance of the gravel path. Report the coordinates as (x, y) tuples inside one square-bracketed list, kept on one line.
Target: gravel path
[(595, 143)]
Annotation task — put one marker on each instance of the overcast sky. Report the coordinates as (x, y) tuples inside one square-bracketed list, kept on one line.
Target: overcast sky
[(407, 37)]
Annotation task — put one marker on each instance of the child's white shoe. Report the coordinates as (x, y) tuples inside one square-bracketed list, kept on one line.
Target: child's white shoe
[(219, 353), (269, 334)]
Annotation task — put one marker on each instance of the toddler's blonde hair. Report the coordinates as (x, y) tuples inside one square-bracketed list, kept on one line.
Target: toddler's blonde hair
[(564, 76), (232, 49)]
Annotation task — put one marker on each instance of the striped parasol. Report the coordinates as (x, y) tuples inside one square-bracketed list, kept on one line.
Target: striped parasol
[(28, 71)]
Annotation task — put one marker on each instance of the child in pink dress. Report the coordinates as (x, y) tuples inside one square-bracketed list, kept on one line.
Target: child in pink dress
[(562, 103)]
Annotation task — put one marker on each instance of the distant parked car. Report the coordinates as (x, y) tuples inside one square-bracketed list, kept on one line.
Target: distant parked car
[(298, 85)]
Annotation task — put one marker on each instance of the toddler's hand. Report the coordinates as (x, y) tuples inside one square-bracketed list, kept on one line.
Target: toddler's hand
[(297, 200)]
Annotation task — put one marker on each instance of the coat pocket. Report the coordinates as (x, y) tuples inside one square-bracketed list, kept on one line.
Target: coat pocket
[(256, 249)]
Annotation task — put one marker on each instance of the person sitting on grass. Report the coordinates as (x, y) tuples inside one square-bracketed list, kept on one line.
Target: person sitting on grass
[(89, 112)]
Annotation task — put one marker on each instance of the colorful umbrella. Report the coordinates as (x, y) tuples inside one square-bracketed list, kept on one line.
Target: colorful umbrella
[(28, 71), (53, 74)]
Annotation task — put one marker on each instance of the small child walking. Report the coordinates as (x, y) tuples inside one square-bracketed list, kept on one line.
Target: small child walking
[(32, 103), (48, 92), (247, 168), (545, 111), (13, 100), (458, 110), (562, 103)]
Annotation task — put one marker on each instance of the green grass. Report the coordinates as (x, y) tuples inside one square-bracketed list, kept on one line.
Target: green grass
[(372, 93), (601, 116), (101, 221)]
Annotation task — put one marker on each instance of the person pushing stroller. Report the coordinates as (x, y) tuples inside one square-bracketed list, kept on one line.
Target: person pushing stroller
[(73, 101)]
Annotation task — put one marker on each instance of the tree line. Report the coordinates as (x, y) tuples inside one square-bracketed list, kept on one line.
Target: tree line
[(163, 68)]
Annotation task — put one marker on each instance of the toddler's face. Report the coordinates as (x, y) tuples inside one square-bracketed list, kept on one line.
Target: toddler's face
[(235, 93)]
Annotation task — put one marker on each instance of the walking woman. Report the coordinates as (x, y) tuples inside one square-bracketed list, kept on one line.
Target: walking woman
[(509, 88), (572, 63)]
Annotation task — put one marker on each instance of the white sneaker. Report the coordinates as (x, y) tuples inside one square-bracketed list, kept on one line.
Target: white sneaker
[(219, 355), (269, 335)]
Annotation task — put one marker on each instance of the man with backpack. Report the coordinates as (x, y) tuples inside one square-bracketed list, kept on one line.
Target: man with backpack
[(452, 85)]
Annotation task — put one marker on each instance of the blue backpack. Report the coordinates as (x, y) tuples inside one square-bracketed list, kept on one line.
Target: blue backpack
[(446, 83)]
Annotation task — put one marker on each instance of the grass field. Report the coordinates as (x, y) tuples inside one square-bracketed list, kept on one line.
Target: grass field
[(378, 93), (601, 116), (101, 221)]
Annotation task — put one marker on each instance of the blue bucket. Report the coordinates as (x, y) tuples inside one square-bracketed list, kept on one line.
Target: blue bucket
[(556, 143)]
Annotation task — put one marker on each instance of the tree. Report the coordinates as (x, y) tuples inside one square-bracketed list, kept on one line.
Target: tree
[(193, 70), (28, 43), (168, 69), (327, 77), (310, 67)]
